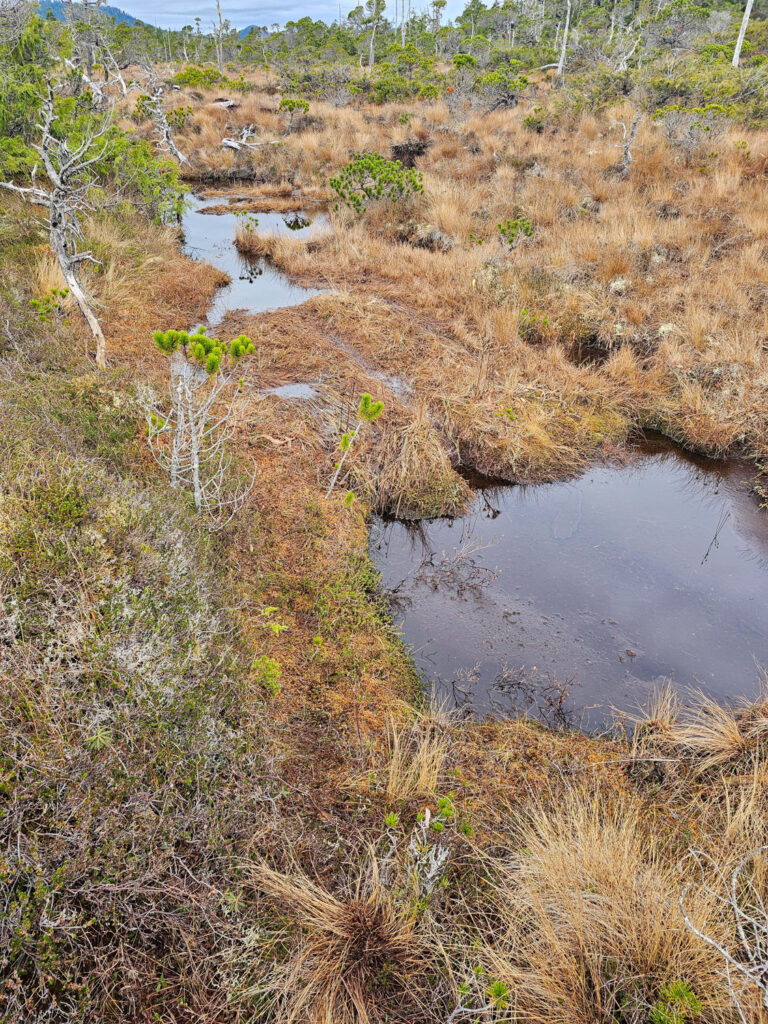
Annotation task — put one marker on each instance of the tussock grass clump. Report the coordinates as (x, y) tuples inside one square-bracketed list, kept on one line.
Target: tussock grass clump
[(713, 735), (593, 932), (409, 473), (417, 755), (357, 952)]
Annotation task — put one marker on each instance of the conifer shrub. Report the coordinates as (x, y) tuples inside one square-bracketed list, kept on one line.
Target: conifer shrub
[(370, 178)]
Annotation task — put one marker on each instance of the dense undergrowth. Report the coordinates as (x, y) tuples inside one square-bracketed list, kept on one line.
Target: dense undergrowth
[(217, 803), (223, 797)]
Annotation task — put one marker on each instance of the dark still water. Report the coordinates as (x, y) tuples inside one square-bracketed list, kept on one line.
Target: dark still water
[(256, 285), (600, 588)]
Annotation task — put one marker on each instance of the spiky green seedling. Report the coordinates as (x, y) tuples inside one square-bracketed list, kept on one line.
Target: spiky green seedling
[(368, 411), (209, 353)]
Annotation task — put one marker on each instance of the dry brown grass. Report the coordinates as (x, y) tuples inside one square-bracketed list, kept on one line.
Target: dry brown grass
[(582, 836), (717, 735), (714, 736), (416, 757), (354, 952), (592, 931), (650, 286)]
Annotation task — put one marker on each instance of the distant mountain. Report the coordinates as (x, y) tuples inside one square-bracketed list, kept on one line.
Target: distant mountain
[(258, 29), (57, 8)]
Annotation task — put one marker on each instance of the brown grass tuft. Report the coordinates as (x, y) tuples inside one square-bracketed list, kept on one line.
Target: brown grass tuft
[(719, 735), (354, 952), (409, 473), (416, 757), (593, 929)]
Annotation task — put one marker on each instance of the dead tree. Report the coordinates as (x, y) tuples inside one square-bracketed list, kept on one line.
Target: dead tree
[(65, 198), (626, 143), (110, 64), (743, 897), (219, 30), (742, 33), (91, 45), (14, 18), (563, 50), (244, 141), (155, 106), (190, 439), (80, 18), (96, 89)]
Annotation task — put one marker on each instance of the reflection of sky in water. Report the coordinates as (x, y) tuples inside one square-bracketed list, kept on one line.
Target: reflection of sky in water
[(612, 581), (256, 285)]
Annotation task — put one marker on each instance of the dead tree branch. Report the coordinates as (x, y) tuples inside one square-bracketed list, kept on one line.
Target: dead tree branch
[(66, 197)]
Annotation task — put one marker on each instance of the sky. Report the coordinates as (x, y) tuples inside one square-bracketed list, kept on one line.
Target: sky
[(175, 13)]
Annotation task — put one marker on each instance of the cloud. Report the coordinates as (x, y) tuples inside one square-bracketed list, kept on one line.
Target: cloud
[(175, 13)]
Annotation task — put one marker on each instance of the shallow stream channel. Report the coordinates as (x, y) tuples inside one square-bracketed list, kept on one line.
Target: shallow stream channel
[(567, 600)]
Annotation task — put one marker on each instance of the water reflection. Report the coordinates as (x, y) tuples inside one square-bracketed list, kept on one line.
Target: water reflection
[(257, 286), (603, 585)]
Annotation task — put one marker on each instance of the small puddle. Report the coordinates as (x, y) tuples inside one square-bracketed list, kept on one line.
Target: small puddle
[(297, 392), (257, 286), (600, 587)]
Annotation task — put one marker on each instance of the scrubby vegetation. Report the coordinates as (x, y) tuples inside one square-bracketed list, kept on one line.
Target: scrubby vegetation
[(223, 793)]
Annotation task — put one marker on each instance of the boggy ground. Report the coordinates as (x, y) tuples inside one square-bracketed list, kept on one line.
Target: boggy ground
[(639, 300), (216, 765)]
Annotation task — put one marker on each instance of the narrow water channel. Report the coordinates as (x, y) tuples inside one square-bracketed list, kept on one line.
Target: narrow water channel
[(590, 591), (256, 286), (580, 596)]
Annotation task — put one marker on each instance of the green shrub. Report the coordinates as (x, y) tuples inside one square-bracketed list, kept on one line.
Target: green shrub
[(370, 177), (514, 231), (268, 671), (691, 128), (144, 108), (178, 117), (198, 78), (290, 104), (503, 86), (49, 308), (677, 1004)]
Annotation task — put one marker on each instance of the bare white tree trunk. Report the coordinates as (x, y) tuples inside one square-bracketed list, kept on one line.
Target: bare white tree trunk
[(68, 173), (626, 144), (370, 45), (625, 57), (159, 117), (742, 33), (561, 62), (219, 39), (90, 317), (93, 86)]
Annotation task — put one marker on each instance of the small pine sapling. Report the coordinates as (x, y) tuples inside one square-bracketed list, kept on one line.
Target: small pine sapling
[(50, 307), (368, 411), (191, 440), (370, 177), (290, 104), (514, 232)]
